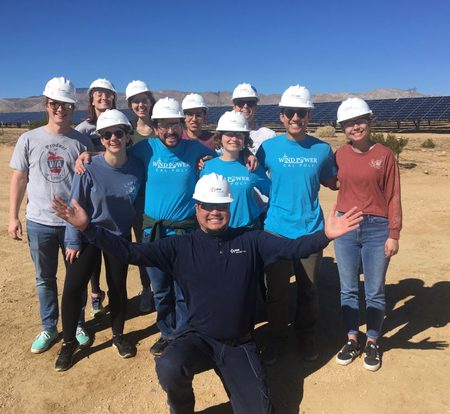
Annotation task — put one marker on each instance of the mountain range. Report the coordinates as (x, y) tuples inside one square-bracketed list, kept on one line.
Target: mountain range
[(221, 98)]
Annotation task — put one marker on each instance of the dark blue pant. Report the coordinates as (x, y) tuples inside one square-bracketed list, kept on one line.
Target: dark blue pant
[(239, 368)]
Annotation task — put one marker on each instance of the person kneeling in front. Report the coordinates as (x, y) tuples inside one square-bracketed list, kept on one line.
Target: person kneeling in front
[(217, 268)]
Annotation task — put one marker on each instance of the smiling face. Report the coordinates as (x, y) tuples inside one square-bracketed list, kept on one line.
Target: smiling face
[(213, 218), (233, 142), (247, 106), (169, 131), (114, 139), (102, 99), (357, 130), (297, 124), (140, 104), (59, 113), (194, 119)]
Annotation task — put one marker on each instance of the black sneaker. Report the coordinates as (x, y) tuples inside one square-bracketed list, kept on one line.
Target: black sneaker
[(308, 349), (372, 359), (349, 352), (159, 346), (65, 355), (124, 348)]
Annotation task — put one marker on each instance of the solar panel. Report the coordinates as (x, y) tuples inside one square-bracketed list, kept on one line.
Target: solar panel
[(433, 108)]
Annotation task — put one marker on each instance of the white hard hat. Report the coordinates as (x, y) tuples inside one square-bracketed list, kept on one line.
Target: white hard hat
[(102, 84), (296, 97), (245, 90), (135, 88), (232, 121), (112, 117), (193, 100), (60, 89), (167, 108), (213, 188), (352, 108)]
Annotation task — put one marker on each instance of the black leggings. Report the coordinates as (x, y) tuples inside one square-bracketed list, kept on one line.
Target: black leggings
[(77, 279)]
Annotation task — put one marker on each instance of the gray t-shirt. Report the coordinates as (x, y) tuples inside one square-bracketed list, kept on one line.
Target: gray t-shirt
[(90, 131), (49, 160)]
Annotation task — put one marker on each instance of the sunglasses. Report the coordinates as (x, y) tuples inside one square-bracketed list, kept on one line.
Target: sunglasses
[(214, 206), (118, 133), (242, 102), (235, 134), (352, 122), (171, 125), (66, 106), (290, 112)]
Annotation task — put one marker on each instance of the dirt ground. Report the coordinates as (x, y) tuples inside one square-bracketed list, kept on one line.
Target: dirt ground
[(416, 366)]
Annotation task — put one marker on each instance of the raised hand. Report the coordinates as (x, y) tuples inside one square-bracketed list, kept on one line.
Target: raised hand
[(74, 215), (336, 226)]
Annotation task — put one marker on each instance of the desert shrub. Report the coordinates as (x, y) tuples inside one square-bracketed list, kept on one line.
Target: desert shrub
[(396, 144), (429, 143), (326, 131)]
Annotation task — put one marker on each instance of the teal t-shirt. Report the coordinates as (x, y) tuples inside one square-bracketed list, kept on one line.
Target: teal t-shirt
[(296, 170), (244, 209), (171, 177)]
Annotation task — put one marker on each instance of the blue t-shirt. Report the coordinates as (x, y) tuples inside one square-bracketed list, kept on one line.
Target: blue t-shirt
[(296, 170), (244, 209), (108, 195), (171, 177)]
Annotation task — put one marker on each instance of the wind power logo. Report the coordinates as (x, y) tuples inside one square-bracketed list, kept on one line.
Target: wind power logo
[(298, 161)]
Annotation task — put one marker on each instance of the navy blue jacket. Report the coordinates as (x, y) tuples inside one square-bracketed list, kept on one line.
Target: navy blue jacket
[(217, 274)]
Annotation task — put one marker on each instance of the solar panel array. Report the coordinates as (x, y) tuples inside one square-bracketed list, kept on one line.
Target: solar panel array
[(434, 108)]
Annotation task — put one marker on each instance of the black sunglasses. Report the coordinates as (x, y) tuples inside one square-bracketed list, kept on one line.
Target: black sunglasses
[(214, 206), (66, 106), (241, 102), (118, 133), (290, 112)]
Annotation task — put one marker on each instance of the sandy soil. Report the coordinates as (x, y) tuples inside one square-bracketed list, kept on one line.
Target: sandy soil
[(416, 365)]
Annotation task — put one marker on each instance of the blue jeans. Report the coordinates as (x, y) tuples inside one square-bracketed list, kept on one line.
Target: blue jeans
[(363, 246), (171, 309), (44, 243)]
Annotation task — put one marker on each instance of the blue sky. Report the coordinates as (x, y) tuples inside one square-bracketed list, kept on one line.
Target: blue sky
[(328, 46)]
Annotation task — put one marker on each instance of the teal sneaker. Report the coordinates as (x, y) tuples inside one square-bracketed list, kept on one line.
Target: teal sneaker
[(44, 341), (83, 337)]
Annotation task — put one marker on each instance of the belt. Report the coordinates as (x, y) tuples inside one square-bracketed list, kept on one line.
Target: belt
[(239, 341)]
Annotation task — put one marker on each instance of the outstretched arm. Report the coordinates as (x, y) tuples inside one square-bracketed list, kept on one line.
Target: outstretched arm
[(157, 254)]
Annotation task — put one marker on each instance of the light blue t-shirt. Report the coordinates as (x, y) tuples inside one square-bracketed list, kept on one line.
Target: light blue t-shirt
[(108, 195), (244, 209), (296, 170), (171, 177)]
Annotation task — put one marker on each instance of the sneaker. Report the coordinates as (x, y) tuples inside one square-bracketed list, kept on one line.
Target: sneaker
[(44, 341), (159, 346), (124, 348), (372, 359), (146, 304), (97, 308), (83, 337), (65, 356), (349, 352), (308, 349)]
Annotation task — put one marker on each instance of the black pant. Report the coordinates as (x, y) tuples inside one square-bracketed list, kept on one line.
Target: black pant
[(77, 279), (239, 368)]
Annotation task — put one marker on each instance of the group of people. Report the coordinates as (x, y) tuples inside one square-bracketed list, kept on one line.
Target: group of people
[(217, 216)]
